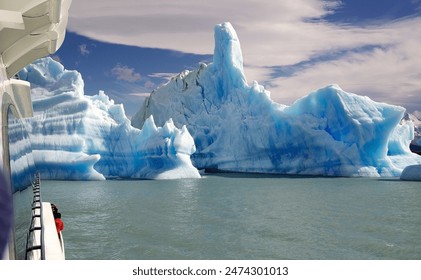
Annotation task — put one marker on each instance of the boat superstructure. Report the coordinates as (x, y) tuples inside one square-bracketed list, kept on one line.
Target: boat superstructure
[(29, 29)]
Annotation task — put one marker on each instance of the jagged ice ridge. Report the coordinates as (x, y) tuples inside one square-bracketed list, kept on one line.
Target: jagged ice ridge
[(78, 137), (237, 127)]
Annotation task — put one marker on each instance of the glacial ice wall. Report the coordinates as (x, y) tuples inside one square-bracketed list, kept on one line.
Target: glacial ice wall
[(78, 137), (237, 127)]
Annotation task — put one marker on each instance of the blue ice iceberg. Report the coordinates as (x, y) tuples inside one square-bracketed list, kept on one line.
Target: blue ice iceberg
[(237, 127), (78, 137)]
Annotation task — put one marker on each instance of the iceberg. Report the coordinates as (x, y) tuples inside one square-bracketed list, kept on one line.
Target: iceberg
[(78, 137), (237, 127), (411, 173), (415, 117)]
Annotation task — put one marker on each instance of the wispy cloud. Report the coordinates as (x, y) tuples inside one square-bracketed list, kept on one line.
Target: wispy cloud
[(125, 73), (165, 76), (83, 49)]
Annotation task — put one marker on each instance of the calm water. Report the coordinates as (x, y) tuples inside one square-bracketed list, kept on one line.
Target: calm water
[(234, 216)]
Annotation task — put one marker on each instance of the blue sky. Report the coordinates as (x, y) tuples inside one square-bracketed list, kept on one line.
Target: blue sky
[(292, 47)]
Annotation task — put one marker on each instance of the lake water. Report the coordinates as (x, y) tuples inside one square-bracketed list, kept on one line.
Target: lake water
[(237, 216)]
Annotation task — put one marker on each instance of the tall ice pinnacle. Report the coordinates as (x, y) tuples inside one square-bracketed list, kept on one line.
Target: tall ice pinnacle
[(227, 54)]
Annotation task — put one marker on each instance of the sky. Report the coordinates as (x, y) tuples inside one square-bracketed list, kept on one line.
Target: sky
[(292, 47)]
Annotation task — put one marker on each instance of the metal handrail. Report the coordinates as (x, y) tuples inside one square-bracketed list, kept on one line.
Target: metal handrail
[(36, 205)]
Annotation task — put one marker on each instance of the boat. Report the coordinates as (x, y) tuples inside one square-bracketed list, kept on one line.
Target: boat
[(29, 30)]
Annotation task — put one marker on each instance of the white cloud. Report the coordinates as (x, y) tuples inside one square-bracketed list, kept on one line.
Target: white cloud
[(125, 73), (185, 25), (272, 34), (379, 73), (83, 49), (149, 84)]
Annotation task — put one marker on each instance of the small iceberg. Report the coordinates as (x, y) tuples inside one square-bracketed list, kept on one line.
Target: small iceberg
[(411, 173)]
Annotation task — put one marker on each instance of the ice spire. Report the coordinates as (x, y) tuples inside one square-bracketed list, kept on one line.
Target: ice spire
[(227, 54)]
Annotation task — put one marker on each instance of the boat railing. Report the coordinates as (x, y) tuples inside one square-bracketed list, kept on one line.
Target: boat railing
[(35, 247)]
